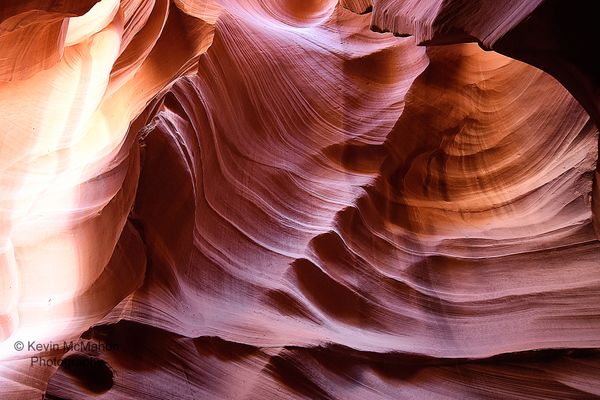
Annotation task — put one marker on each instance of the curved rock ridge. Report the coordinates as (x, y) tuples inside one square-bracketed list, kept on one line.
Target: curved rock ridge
[(262, 199), (68, 170), (551, 35)]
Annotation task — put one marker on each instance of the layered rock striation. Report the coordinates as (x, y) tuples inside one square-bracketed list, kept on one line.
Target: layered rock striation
[(303, 199)]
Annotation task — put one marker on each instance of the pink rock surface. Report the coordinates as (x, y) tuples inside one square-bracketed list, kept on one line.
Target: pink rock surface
[(264, 199)]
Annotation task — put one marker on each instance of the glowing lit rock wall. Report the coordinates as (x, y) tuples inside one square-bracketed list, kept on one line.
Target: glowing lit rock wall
[(298, 199)]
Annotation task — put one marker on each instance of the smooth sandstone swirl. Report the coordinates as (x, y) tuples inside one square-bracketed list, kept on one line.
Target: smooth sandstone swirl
[(551, 35), (264, 199), (68, 170)]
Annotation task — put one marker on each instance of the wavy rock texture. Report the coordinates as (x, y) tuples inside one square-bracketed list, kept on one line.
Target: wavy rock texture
[(550, 35), (263, 199)]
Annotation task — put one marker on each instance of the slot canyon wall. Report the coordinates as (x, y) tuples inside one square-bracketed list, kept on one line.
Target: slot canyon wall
[(266, 199)]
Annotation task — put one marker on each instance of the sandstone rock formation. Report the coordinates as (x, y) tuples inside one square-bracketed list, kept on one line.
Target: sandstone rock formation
[(298, 199)]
